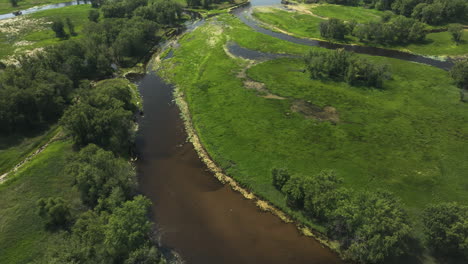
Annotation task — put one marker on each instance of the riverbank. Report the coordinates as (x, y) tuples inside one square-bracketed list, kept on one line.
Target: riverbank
[(302, 21), (247, 135)]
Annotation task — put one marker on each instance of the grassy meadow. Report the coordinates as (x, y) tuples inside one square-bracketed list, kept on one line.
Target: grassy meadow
[(15, 148), (30, 32), (409, 138), (6, 7), (306, 25), (23, 237), (347, 13)]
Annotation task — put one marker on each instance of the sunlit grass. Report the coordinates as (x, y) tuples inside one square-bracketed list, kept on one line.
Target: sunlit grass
[(408, 138)]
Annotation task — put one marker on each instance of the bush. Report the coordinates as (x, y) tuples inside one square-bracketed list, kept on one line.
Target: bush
[(456, 30), (58, 28), (98, 174), (280, 177), (93, 15), (340, 65), (446, 228), (333, 28), (459, 73), (55, 212), (371, 227)]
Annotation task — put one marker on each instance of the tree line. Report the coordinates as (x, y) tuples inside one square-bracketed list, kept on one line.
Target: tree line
[(340, 65), (371, 226), (428, 11), (390, 30), (112, 224), (35, 91)]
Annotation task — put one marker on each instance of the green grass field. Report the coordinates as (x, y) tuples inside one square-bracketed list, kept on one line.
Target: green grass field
[(15, 148), (33, 31), (409, 139), (347, 13), (307, 26), (23, 238), (6, 7), (299, 24)]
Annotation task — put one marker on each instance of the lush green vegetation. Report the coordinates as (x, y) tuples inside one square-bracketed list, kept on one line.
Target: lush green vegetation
[(23, 237), (372, 138), (7, 7), (428, 11), (343, 66), (361, 221), (15, 148), (109, 223), (308, 26), (446, 227), (33, 31), (347, 13)]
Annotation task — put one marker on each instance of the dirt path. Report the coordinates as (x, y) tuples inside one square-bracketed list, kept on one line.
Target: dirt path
[(4, 176)]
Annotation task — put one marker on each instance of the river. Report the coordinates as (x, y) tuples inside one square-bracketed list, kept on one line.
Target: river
[(201, 219)]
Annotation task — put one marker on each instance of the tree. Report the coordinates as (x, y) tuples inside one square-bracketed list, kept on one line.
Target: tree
[(371, 227), (101, 177), (129, 228), (14, 3), (145, 255), (55, 212), (456, 30), (102, 117), (280, 177), (294, 191), (333, 28), (459, 73), (322, 194), (58, 28), (71, 26), (446, 228), (93, 15)]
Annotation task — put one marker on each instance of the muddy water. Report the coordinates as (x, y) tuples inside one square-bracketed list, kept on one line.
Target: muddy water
[(198, 217)]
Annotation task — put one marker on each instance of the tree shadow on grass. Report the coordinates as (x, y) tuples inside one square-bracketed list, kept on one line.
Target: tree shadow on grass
[(15, 138)]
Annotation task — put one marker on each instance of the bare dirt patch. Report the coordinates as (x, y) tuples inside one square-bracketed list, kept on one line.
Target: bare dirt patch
[(309, 110)]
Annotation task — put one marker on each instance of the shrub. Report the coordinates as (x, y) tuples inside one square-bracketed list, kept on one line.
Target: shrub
[(55, 212), (280, 177)]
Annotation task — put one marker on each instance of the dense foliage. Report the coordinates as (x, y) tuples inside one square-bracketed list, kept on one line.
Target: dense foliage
[(102, 116), (428, 11), (120, 236), (459, 73), (55, 211), (390, 30), (446, 227), (345, 66), (371, 226), (397, 30), (99, 175), (37, 89), (333, 28)]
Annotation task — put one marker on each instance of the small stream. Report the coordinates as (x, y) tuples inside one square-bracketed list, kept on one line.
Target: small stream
[(42, 8), (245, 15)]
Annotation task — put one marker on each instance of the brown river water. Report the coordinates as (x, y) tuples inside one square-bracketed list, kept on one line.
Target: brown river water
[(197, 216), (201, 219)]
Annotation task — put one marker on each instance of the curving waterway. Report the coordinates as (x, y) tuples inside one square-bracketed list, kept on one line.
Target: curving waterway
[(201, 219), (245, 15), (43, 7)]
